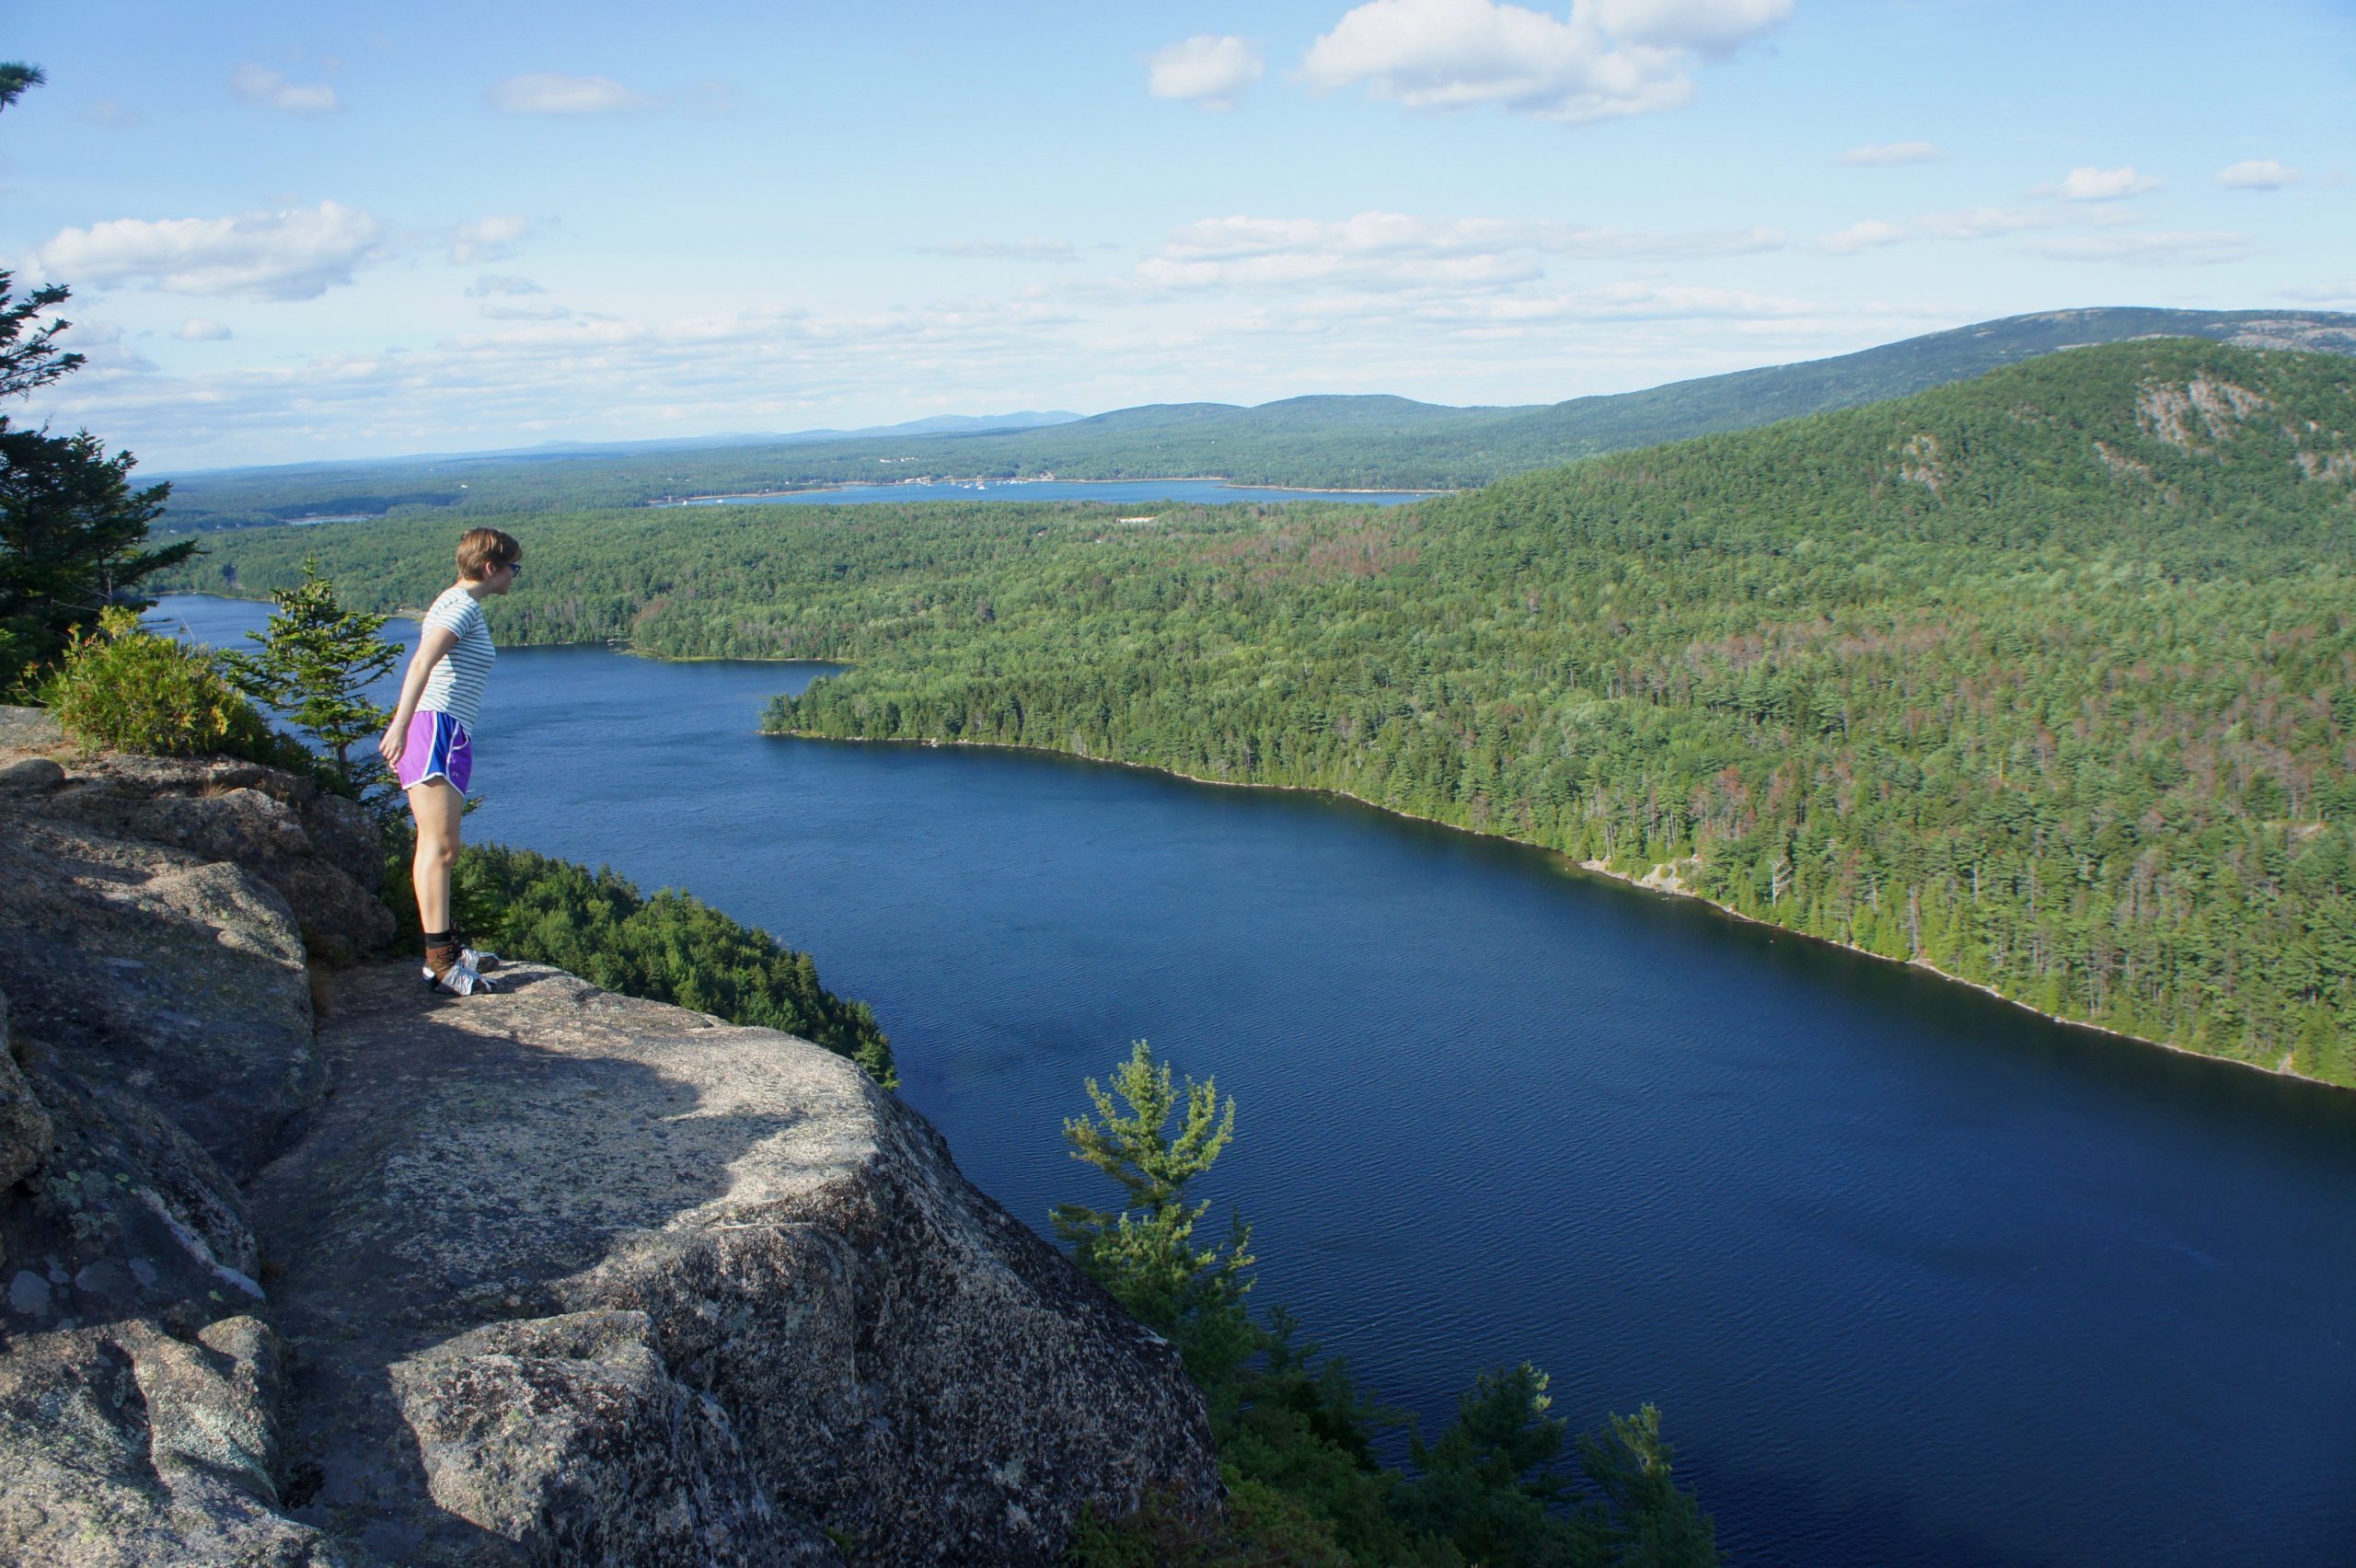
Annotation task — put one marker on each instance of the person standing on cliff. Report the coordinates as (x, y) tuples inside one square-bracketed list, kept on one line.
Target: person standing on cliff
[(430, 744)]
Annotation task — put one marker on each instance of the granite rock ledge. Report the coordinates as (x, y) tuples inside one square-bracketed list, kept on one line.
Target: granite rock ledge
[(307, 1266)]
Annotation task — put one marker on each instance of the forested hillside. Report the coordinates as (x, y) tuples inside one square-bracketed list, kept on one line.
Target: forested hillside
[(2047, 679), (1362, 442)]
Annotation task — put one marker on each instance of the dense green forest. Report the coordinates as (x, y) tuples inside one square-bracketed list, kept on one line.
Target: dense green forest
[(2047, 679), (669, 948), (1358, 443)]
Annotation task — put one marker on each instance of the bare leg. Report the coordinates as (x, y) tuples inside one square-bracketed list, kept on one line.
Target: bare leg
[(438, 809)]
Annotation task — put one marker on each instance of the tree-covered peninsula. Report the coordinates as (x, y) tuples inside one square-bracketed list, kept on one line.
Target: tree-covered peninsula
[(2045, 679)]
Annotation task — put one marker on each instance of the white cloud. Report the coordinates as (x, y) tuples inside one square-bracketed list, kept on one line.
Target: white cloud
[(510, 382), (489, 239), (542, 312), (1882, 153), (1004, 250), (2258, 174), (1293, 269), (1866, 236), (494, 283), (1643, 301), (549, 92), (1708, 26), (1376, 342), (2084, 184), (1980, 222), (1206, 70), (1994, 222), (2173, 249), (733, 370), (1395, 251), (197, 329), (2342, 292), (259, 84), (113, 114), (108, 354), (1448, 54), (292, 254)]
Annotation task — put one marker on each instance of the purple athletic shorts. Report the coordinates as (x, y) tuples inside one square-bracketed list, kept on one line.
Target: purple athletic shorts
[(438, 747)]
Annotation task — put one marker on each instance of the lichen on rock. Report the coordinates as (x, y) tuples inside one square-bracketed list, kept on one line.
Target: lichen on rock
[(597, 1248)]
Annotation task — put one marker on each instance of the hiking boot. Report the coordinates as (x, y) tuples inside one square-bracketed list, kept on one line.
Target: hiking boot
[(458, 980), (447, 970)]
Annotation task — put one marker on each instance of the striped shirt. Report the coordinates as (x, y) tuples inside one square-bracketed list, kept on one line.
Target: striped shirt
[(455, 686)]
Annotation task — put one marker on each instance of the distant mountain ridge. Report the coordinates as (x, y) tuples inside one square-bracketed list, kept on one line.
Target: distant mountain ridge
[(1748, 398), (1315, 442), (938, 424)]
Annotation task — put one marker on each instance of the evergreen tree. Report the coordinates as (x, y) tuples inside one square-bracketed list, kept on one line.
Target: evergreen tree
[(316, 663), (1643, 1520), (1489, 1485), (71, 526), (72, 540), (14, 78), (1145, 1252), (30, 362), (1493, 1487)]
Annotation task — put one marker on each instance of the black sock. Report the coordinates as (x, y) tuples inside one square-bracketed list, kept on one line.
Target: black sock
[(441, 938)]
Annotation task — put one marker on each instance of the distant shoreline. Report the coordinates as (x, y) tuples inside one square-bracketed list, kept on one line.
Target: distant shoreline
[(985, 482), (1651, 881)]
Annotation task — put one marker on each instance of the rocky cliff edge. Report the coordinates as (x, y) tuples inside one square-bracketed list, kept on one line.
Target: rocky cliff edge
[(305, 1265)]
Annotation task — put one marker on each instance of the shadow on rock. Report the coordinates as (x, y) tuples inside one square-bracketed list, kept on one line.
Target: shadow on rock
[(606, 1281)]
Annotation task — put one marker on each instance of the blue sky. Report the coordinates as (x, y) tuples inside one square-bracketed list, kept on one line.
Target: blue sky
[(296, 234)]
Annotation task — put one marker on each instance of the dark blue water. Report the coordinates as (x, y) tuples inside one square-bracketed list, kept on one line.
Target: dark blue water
[(1119, 492), (1915, 1277)]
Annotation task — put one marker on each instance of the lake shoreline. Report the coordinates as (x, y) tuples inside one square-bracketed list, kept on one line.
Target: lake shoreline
[(1659, 879), (1653, 881)]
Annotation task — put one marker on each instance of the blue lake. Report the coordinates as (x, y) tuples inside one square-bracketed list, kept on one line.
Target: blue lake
[(1118, 492), (1915, 1277)]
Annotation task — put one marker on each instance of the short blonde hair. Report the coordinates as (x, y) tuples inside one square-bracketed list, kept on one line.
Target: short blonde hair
[(479, 549)]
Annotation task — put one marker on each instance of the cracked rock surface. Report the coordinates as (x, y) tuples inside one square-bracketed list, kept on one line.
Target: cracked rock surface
[(549, 1276), (607, 1281)]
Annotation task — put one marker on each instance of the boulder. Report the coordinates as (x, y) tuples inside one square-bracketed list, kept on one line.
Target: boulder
[(128, 1218), (155, 971), (569, 1436), (610, 1282), (128, 1447), (163, 913), (317, 850), (30, 775)]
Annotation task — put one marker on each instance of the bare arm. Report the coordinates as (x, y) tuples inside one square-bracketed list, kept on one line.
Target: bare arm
[(435, 641)]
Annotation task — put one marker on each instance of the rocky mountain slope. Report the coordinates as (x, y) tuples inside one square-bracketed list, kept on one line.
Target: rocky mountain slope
[(302, 1265)]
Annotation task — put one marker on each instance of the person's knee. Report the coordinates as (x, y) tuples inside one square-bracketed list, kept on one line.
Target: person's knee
[(435, 849)]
